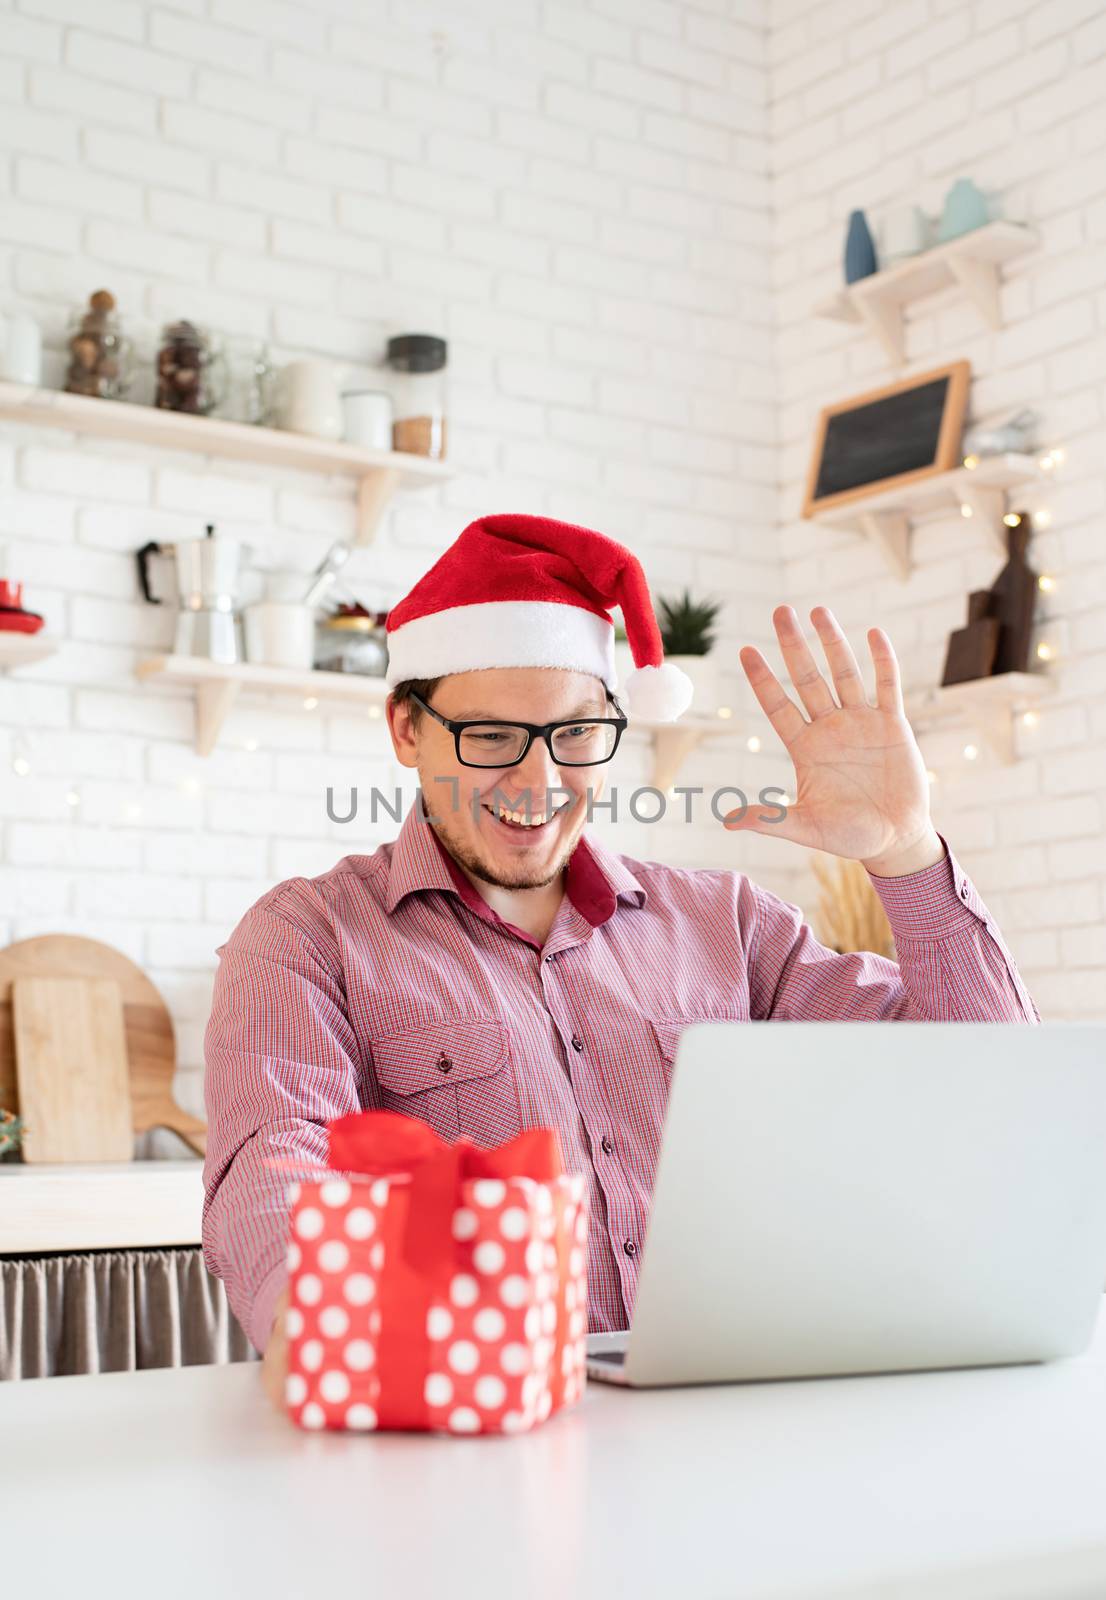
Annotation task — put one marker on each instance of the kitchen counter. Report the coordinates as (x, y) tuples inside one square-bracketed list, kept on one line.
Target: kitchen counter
[(104, 1205), (958, 1485)]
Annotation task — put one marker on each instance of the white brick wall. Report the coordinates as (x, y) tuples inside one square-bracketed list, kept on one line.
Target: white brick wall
[(575, 194), (619, 212), (1012, 96)]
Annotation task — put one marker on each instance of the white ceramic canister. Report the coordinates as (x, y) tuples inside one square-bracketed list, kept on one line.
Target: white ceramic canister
[(280, 633), (308, 400), (20, 348), (368, 418)]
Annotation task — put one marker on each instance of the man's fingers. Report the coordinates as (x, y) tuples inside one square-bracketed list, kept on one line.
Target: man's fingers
[(839, 654), (812, 688), (781, 712), (888, 682)]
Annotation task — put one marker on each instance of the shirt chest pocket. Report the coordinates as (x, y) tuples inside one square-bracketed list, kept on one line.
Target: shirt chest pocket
[(667, 1032), (454, 1075)]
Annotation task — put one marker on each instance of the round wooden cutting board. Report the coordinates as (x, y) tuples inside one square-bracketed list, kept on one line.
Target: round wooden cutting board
[(151, 1046)]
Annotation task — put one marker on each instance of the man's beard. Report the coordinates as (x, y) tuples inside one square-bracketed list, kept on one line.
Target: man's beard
[(471, 862)]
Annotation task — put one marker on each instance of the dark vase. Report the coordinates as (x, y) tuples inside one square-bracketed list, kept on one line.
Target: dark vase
[(860, 251)]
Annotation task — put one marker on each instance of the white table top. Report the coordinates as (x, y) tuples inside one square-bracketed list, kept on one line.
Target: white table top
[(986, 1483)]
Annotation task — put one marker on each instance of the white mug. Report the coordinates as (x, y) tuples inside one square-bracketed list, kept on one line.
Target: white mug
[(308, 400), (905, 232), (368, 418), (280, 633)]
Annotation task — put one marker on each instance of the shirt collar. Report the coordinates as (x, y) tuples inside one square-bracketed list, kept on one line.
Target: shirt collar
[(596, 880)]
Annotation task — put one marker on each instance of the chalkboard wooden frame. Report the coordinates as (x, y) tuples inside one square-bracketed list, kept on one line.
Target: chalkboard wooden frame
[(957, 374)]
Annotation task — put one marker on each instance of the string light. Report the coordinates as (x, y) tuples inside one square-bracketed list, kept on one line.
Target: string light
[(1030, 719), (1044, 652), (21, 766), (752, 743), (190, 785), (73, 798), (251, 744), (1046, 582), (931, 776), (965, 509), (1012, 519), (374, 711), (310, 703), (971, 751), (725, 711), (1043, 518), (971, 462)]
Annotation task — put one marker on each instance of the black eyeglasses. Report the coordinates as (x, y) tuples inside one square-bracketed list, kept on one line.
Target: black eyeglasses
[(504, 744)]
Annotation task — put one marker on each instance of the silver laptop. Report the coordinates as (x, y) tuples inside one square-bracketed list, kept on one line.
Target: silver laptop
[(871, 1197)]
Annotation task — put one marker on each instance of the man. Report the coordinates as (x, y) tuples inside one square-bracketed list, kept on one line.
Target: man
[(496, 968)]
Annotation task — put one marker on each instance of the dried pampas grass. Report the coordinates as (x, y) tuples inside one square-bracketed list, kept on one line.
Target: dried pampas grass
[(850, 916)]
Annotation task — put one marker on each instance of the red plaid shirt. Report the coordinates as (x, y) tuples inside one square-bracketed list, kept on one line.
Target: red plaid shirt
[(353, 990)]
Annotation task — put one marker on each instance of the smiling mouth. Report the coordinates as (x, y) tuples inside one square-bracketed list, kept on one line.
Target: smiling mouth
[(523, 831)]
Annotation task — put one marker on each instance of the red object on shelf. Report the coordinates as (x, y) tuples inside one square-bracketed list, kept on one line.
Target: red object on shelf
[(12, 621)]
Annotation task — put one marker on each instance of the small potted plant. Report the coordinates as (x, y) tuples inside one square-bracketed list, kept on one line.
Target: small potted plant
[(687, 635), (11, 1134)]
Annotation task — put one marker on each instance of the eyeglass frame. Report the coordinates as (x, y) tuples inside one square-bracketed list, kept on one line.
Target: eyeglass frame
[(533, 729)]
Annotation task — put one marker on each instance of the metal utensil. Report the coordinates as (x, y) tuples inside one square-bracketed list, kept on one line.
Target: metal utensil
[(325, 574)]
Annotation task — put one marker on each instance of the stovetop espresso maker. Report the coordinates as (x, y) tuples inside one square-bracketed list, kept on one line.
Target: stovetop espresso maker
[(207, 570)]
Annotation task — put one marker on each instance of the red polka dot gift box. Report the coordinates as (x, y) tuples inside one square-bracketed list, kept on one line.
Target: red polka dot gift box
[(434, 1286)]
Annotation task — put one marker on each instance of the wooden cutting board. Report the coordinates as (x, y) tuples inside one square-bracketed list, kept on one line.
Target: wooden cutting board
[(71, 1069), (147, 1025)]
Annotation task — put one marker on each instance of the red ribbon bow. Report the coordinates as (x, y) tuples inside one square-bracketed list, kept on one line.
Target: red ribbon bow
[(380, 1143)]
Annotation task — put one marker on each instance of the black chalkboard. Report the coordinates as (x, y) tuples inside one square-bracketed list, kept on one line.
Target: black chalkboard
[(913, 427), (882, 440)]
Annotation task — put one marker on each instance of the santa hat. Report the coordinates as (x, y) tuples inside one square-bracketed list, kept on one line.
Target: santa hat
[(522, 591)]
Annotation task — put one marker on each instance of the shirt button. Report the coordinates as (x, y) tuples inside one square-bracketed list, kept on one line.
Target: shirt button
[(444, 1064), (630, 1247), (577, 1042), (963, 891), (607, 1145)]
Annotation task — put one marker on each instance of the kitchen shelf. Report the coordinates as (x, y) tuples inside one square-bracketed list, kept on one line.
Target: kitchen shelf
[(673, 743), (108, 1205), (21, 649), (379, 472), (218, 687), (887, 517), (970, 262), (989, 705)]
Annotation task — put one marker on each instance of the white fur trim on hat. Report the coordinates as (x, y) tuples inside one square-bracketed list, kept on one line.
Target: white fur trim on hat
[(502, 633), (658, 694)]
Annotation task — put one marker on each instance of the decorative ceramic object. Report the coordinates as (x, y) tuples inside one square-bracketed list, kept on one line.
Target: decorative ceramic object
[(703, 672), (905, 232), (965, 210), (1015, 433), (860, 250)]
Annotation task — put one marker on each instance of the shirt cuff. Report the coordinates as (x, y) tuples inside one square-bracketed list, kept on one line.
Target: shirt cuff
[(936, 903), (264, 1304)]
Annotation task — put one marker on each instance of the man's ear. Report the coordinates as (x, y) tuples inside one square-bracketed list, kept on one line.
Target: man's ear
[(401, 728)]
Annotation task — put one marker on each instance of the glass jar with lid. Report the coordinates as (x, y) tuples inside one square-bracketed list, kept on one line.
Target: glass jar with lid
[(191, 369), (417, 361), (101, 357)]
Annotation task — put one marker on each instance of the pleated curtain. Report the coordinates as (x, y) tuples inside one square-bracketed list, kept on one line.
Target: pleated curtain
[(114, 1311)]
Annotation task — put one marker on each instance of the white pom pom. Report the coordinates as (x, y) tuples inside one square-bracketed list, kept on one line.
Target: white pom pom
[(658, 694)]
